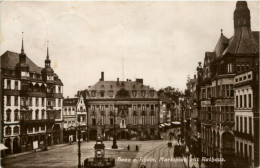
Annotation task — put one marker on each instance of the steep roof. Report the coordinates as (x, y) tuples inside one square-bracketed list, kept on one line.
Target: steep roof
[(9, 60), (111, 88), (243, 42), (220, 46)]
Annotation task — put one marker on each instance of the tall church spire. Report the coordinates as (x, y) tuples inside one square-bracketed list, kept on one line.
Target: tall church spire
[(242, 15), (47, 61)]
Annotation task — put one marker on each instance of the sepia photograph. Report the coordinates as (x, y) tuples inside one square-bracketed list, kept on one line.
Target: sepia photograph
[(129, 84)]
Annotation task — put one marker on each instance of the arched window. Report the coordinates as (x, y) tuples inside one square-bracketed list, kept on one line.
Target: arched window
[(8, 130), (134, 118), (143, 118), (16, 130), (8, 115), (152, 118)]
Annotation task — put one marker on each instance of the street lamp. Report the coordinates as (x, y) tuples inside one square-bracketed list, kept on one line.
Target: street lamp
[(188, 153), (114, 146), (79, 152)]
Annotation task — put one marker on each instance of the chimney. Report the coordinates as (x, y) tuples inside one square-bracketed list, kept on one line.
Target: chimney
[(117, 82), (194, 76), (67, 97), (102, 76), (139, 81)]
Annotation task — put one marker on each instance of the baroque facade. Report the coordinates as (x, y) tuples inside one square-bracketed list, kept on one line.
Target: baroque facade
[(132, 106), (31, 103)]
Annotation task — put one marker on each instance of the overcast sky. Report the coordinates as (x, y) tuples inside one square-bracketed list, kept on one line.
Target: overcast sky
[(160, 42)]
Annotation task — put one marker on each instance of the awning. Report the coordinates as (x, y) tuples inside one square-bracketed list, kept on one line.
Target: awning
[(167, 124), (162, 125), (3, 147)]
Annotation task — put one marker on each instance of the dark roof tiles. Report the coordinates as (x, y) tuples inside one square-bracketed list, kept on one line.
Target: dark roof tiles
[(10, 59)]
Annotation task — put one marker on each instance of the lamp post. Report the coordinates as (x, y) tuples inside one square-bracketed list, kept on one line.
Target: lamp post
[(199, 74), (79, 152), (188, 153), (114, 146)]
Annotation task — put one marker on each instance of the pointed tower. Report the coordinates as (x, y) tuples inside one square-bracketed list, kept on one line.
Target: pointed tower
[(242, 42), (22, 68), (242, 15), (47, 71)]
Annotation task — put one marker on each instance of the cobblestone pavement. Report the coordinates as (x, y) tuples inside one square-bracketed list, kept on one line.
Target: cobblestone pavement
[(66, 156)]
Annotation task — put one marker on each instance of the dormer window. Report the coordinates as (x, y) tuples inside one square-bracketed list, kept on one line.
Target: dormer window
[(110, 93), (93, 93), (143, 93), (102, 93), (152, 93), (134, 92)]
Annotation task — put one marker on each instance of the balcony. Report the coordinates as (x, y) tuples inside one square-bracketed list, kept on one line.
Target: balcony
[(244, 136), (122, 126)]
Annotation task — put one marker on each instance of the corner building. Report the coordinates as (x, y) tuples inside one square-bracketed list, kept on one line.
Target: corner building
[(31, 103), (230, 57), (133, 106)]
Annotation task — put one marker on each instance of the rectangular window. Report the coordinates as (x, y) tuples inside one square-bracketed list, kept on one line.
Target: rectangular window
[(93, 107), (8, 116), (30, 101), (42, 114), (8, 84), (236, 101), (23, 102), (59, 103), (36, 115), (237, 123), (102, 107), (250, 125), (237, 148), (111, 107), (245, 150), (93, 121), (8, 101), (241, 124), (245, 101), (241, 148), (134, 119), (231, 91), (16, 116), (241, 101), (16, 85), (16, 100), (245, 123), (227, 91), (36, 102), (111, 120), (43, 102), (249, 101), (250, 152)]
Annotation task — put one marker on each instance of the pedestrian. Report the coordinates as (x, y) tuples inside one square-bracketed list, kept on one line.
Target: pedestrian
[(136, 148), (193, 166), (128, 147)]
